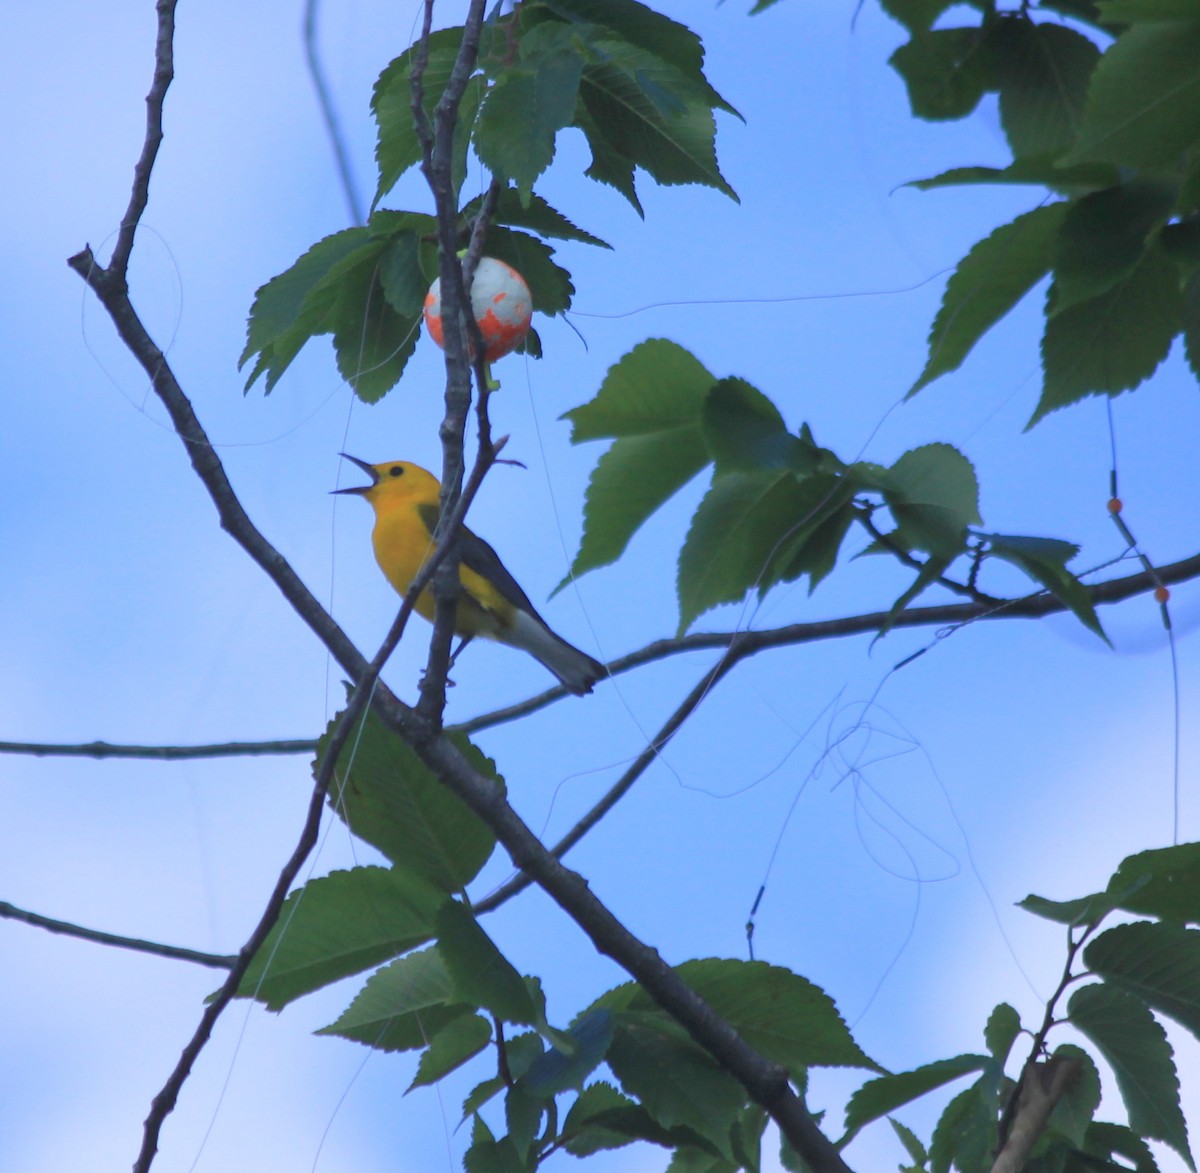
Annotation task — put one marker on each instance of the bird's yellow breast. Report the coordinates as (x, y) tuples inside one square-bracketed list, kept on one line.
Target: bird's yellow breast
[(402, 543)]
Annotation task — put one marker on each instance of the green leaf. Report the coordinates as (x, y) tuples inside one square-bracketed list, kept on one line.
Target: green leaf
[(965, 1135), (556, 1072), (667, 39), (743, 429), (782, 1015), (397, 147), (910, 1141), (1043, 559), (603, 1118), (402, 1006), (338, 925), (481, 974), (481, 1093), (1112, 342), (461, 1039), (608, 164), (493, 1156), (537, 215), (877, 1097), (1003, 1026), (1143, 106), (522, 1115), (1086, 910), (1135, 1046), (1135, 11), (1108, 1140), (523, 113), (996, 274), (747, 1136), (648, 113), (1072, 1115), (1033, 170), (401, 275), (1191, 323), (549, 283), (915, 15), (736, 537), (1164, 883), (1042, 72), (388, 797), (934, 496), (1158, 963), (658, 386), (1103, 238), (630, 481), (676, 1082), (931, 570), (292, 307), (944, 70)]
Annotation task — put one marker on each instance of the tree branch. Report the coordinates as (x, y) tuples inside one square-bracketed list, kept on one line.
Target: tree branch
[(951, 615), (214, 960), (160, 753)]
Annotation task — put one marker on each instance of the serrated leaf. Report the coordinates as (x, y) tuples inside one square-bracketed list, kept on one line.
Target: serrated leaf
[(1103, 237), (944, 71), (1113, 342), (1107, 1140), (910, 1141), (1158, 963), (458, 1041), (522, 1115), (649, 113), (1135, 1046), (996, 274), (388, 797), (292, 307), (1163, 882), (931, 570), (1191, 323), (603, 1118), (743, 429), (537, 216), (1035, 170), (675, 43), (481, 974), (1043, 559), (494, 1156), (630, 481), (556, 1072), (608, 165), (1072, 1115), (933, 495), (675, 1081), (1085, 910), (1143, 105), (657, 386), (877, 1097), (1003, 1026), (915, 15), (965, 1134), (736, 537), (522, 114), (338, 925), (402, 1006), (481, 1093), (549, 283), (401, 276), (1042, 72), (397, 146), (784, 1016)]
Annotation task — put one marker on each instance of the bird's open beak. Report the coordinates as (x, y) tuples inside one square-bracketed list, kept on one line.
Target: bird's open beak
[(359, 490)]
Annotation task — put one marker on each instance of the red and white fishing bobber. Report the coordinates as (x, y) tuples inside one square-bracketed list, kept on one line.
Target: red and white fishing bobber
[(500, 301)]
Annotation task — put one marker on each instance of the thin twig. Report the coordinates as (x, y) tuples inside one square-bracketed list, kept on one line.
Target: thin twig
[(67, 929), (618, 790), (161, 753), (333, 128), (948, 615)]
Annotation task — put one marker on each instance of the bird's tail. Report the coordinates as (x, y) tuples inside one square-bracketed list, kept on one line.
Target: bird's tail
[(577, 671)]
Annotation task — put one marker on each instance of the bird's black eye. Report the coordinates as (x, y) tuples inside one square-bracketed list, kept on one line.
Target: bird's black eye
[(397, 470)]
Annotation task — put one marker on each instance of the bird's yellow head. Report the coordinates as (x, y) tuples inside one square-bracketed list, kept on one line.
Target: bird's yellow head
[(395, 482)]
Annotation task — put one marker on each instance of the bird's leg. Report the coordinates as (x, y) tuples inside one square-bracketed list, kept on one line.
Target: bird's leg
[(462, 643)]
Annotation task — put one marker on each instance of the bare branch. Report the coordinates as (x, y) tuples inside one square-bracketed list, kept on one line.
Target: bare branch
[(160, 753), (948, 615), (67, 929), (1042, 1086)]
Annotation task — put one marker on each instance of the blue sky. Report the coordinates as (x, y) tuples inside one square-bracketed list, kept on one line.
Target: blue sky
[(1032, 750)]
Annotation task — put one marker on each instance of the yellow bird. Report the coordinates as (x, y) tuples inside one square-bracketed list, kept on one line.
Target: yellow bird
[(405, 499)]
